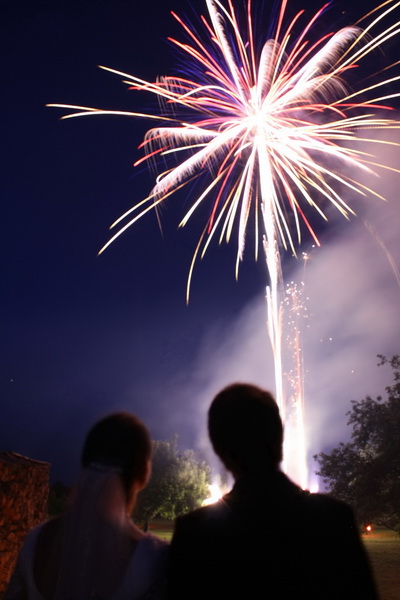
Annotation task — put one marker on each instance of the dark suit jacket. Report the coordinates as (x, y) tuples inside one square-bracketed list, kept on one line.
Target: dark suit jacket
[(269, 539)]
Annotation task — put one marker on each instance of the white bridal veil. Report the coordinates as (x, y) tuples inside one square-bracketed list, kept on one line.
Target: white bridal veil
[(96, 538)]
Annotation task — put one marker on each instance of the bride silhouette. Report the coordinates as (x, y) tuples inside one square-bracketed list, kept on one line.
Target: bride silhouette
[(94, 551)]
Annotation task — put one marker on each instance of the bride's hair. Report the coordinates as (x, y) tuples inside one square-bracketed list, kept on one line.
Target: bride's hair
[(119, 441)]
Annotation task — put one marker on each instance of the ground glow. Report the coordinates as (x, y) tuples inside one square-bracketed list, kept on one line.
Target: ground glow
[(217, 489)]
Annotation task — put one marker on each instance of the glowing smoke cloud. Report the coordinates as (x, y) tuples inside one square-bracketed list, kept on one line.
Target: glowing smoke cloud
[(274, 130)]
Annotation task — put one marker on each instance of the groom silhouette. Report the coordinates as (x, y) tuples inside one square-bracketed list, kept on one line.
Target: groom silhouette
[(267, 538)]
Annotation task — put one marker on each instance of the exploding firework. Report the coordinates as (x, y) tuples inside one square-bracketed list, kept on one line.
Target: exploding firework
[(273, 129)]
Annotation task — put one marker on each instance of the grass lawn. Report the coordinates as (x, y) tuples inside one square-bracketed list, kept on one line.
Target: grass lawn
[(383, 547), (162, 528)]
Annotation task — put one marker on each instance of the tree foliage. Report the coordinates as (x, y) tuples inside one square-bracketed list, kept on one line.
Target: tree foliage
[(178, 483), (365, 472)]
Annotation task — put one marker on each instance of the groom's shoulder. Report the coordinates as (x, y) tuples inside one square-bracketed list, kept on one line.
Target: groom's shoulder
[(211, 514)]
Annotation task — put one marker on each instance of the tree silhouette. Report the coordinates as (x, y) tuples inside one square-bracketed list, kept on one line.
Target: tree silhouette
[(366, 471)]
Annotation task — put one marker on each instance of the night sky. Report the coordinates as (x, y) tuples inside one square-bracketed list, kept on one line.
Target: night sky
[(83, 335)]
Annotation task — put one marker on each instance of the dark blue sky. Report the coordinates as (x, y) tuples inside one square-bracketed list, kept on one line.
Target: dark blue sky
[(83, 335)]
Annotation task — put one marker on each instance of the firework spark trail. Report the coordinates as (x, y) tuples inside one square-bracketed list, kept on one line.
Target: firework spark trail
[(264, 126), (389, 256), (295, 451)]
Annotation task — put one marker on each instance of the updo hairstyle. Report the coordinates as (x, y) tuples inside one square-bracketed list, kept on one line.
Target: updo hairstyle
[(119, 441)]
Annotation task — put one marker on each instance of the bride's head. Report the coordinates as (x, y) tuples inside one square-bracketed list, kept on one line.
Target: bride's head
[(122, 443)]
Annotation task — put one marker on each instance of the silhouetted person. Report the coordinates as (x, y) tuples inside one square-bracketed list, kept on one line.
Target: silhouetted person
[(94, 551), (267, 538)]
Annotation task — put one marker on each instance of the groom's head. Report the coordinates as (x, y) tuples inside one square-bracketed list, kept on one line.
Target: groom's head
[(246, 429)]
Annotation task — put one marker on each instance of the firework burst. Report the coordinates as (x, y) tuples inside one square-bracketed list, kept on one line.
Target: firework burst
[(266, 126)]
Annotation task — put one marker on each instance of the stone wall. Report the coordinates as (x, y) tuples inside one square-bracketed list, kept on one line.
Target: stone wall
[(24, 490)]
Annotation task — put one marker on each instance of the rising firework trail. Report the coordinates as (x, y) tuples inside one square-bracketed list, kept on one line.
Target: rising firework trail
[(295, 450), (273, 129)]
